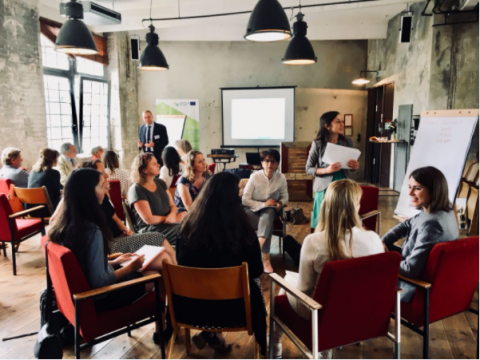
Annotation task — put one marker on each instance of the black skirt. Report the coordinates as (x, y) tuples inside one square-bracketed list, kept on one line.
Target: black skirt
[(124, 297)]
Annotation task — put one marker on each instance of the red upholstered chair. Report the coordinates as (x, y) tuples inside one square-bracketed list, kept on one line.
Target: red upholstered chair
[(174, 181), (446, 286), (212, 167), (369, 208), (75, 301), (116, 198), (352, 302), (15, 230), (7, 188)]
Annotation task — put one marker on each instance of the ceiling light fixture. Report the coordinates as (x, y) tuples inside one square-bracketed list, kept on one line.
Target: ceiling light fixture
[(362, 80), (152, 58), (268, 22), (300, 50), (74, 36)]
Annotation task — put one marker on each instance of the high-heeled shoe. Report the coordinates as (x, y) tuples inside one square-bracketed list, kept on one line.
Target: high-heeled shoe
[(219, 345)]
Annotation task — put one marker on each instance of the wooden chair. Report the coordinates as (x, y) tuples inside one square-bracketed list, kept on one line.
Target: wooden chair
[(35, 196), (206, 284), (75, 301), (7, 188), (116, 198), (446, 286), (352, 302), (14, 230)]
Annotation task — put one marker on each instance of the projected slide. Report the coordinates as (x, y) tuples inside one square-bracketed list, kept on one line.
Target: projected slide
[(258, 118)]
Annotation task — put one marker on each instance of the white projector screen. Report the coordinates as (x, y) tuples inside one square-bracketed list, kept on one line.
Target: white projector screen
[(258, 117)]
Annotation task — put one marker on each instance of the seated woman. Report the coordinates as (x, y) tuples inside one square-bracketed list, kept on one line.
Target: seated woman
[(215, 234), (81, 228), (264, 195), (42, 174), (339, 235), (112, 168), (172, 166), (183, 148), (190, 184), (434, 224), (152, 205), (124, 240)]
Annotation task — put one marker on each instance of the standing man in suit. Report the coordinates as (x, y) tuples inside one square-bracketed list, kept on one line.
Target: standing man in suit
[(67, 161), (152, 137)]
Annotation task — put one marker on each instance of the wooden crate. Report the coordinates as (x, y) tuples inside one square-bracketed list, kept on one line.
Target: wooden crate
[(294, 158)]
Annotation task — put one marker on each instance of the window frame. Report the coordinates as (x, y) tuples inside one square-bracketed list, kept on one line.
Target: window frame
[(77, 120)]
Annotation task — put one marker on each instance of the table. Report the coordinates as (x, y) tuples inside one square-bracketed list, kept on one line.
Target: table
[(223, 159)]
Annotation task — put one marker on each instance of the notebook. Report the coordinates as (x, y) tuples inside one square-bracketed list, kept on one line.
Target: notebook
[(150, 252)]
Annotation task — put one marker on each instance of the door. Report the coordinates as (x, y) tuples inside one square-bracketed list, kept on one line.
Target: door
[(402, 149)]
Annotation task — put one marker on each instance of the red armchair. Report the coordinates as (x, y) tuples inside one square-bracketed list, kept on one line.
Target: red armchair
[(7, 188), (211, 167), (369, 208), (352, 302), (452, 268), (15, 230), (75, 301), (116, 198)]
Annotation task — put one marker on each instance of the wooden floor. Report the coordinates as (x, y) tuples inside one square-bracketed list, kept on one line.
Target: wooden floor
[(454, 337)]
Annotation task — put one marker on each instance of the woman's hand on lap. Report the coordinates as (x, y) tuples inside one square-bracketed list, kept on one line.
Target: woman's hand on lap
[(122, 258), (137, 264), (270, 202)]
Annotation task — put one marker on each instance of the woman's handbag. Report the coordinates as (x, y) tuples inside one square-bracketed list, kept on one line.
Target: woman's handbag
[(295, 216)]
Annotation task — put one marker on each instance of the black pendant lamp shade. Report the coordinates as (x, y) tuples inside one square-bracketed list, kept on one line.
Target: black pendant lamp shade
[(268, 22), (152, 57), (74, 36), (299, 50)]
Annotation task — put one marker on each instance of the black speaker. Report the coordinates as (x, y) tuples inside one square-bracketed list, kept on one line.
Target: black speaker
[(135, 48), (406, 27)]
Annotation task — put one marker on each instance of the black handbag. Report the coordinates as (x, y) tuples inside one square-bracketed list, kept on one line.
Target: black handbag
[(295, 216), (293, 248)]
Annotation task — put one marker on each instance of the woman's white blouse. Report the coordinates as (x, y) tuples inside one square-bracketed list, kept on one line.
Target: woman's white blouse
[(124, 177), (260, 189), (165, 174)]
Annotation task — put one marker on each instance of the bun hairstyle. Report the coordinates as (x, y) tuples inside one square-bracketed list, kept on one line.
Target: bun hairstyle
[(46, 160)]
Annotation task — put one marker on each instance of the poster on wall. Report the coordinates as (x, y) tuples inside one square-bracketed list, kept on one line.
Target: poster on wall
[(187, 112)]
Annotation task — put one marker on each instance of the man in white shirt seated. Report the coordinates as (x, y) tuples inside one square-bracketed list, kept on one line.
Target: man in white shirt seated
[(67, 162)]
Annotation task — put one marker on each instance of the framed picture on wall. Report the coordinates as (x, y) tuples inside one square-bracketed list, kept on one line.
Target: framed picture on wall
[(348, 131), (348, 118)]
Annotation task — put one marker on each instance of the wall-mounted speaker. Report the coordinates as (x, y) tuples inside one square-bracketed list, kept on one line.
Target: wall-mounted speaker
[(406, 27), (135, 48)]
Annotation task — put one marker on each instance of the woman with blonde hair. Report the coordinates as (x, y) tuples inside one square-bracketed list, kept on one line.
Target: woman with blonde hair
[(190, 183), (43, 174), (339, 235), (152, 205)]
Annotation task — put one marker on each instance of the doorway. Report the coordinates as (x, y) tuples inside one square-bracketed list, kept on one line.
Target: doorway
[(378, 155)]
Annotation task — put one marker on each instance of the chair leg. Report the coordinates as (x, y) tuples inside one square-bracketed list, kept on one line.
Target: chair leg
[(257, 350), (4, 249), (77, 331), (171, 344), (14, 260), (187, 341), (426, 323), (129, 332)]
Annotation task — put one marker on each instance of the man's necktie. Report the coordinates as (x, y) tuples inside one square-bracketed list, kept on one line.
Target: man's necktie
[(148, 137)]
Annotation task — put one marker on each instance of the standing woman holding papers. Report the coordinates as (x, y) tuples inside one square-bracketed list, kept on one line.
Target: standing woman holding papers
[(331, 131), (265, 194)]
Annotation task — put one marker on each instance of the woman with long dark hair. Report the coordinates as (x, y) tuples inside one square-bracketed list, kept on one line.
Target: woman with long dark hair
[(435, 223), (173, 165), (331, 131), (81, 227), (112, 168), (217, 233)]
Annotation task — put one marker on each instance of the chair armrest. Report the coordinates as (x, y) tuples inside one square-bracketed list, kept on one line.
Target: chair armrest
[(292, 290), (416, 282), (26, 212), (399, 289), (106, 289), (369, 214)]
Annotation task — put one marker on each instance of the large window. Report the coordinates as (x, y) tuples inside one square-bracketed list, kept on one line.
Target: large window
[(76, 100)]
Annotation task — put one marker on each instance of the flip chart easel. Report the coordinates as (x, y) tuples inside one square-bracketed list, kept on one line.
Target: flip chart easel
[(442, 141)]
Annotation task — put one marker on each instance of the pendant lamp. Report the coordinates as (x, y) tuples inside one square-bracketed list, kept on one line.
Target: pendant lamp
[(268, 22), (74, 36), (299, 50), (152, 58)]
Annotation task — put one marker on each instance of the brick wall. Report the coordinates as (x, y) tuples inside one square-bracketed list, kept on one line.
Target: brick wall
[(22, 103)]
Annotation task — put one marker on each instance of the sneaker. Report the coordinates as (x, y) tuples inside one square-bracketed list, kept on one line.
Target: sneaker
[(277, 350)]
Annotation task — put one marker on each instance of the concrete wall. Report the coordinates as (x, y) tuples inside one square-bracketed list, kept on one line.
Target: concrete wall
[(199, 69), (22, 102)]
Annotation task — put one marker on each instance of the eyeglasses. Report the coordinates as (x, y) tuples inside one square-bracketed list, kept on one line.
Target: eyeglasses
[(271, 161)]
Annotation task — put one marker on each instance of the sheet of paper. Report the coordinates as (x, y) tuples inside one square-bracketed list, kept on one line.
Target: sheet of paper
[(150, 252), (337, 153)]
